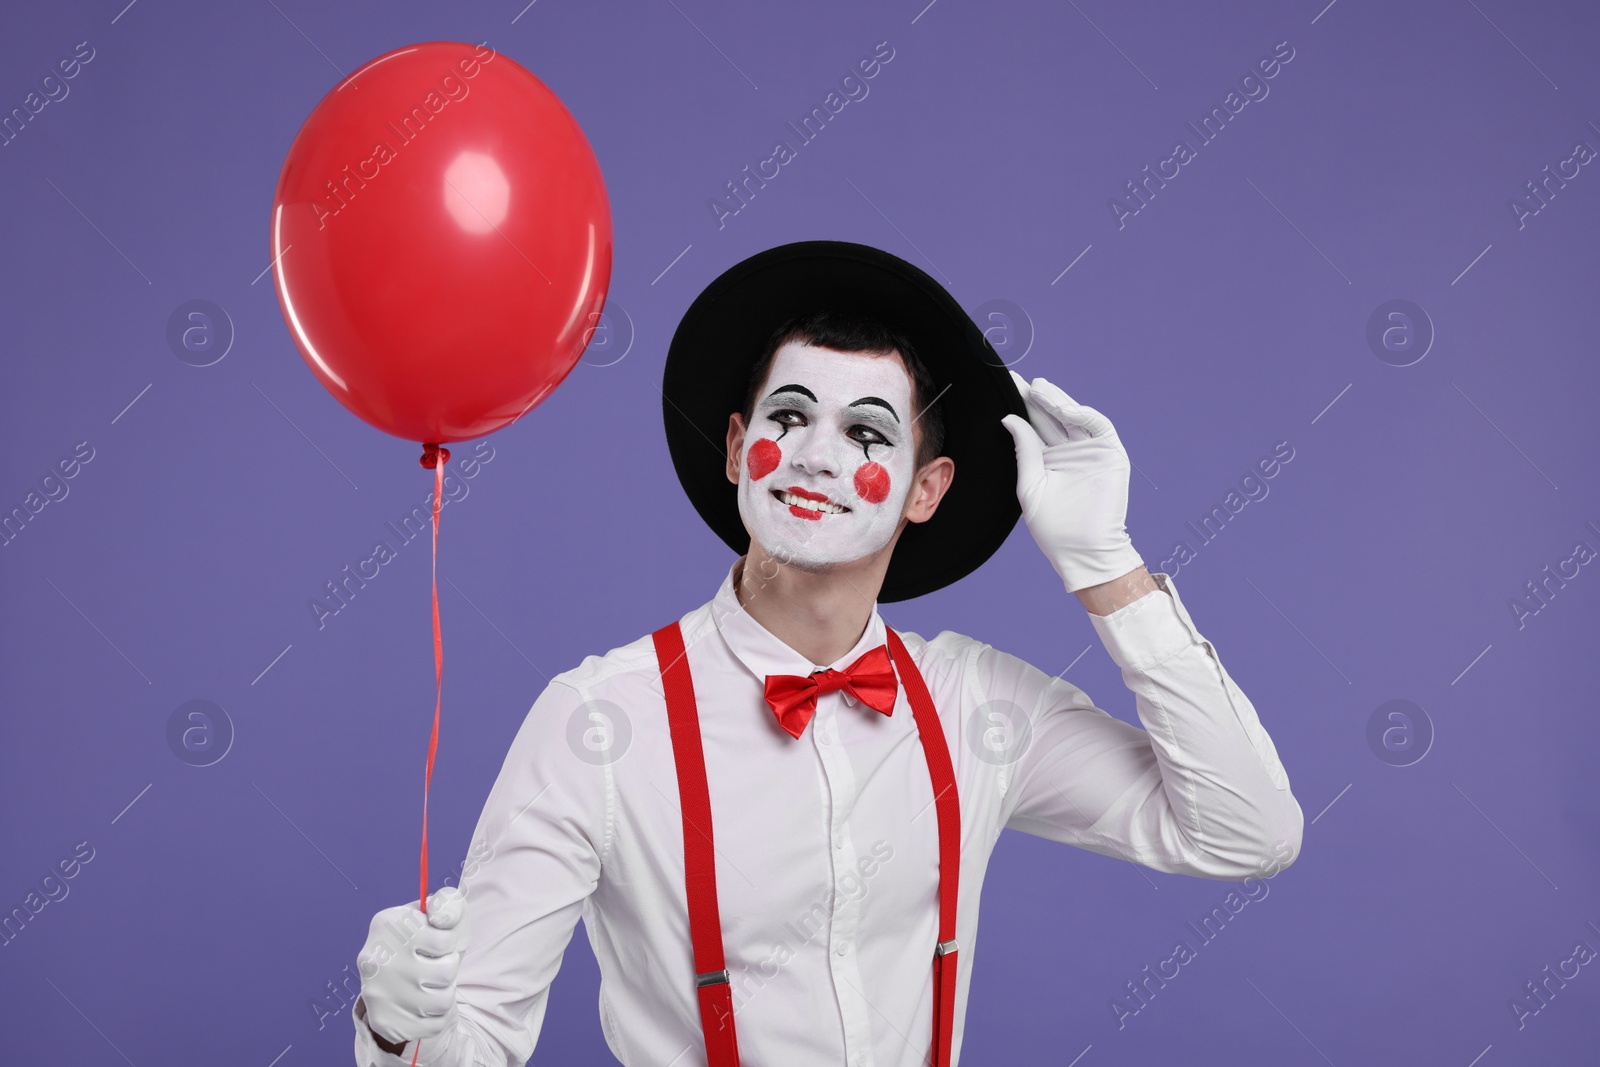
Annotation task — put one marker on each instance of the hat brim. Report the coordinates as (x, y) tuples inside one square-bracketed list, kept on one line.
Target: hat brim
[(723, 333)]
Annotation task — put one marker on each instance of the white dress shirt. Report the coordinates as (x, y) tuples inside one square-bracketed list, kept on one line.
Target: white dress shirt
[(827, 845)]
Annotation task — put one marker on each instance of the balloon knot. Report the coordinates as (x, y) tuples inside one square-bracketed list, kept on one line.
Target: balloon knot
[(433, 454)]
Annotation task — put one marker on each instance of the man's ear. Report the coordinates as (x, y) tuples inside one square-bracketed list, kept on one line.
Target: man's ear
[(930, 485), (735, 446)]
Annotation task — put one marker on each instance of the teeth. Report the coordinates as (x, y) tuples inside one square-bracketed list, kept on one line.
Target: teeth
[(810, 505)]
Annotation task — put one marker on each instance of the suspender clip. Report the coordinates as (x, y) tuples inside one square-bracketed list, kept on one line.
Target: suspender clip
[(944, 947), (721, 977)]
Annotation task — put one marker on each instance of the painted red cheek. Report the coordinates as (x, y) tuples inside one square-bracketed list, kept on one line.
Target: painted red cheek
[(872, 483), (762, 459)]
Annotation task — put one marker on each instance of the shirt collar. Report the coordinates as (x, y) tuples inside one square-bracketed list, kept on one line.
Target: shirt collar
[(760, 651)]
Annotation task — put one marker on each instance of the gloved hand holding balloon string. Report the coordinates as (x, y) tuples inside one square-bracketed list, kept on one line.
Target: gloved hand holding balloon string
[(409, 965)]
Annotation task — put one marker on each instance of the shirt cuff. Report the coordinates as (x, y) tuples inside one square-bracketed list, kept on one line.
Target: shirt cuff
[(369, 1054), (1156, 627)]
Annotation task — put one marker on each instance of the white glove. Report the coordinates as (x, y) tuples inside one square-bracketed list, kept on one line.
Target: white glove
[(1072, 483), (408, 967)]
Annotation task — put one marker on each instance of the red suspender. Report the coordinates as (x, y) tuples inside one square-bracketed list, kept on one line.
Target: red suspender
[(947, 805), (712, 980)]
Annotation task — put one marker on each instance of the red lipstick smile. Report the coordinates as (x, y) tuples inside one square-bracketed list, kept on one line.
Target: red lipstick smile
[(805, 504)]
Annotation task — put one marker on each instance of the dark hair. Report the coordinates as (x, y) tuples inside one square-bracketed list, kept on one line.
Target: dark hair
[(850, 332)]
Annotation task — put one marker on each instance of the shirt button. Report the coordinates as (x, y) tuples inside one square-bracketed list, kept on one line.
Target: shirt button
[(843, 948), (822, 737)]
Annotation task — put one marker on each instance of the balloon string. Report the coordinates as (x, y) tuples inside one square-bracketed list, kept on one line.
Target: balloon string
[(440, 456)]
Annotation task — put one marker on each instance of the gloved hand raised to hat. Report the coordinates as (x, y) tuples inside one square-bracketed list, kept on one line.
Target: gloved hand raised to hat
[(1072, 483)]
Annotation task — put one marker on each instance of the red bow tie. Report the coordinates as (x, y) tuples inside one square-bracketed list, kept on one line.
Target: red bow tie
[(870, 679)]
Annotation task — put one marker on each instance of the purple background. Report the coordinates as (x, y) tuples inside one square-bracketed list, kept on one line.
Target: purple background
[(1228, 315)]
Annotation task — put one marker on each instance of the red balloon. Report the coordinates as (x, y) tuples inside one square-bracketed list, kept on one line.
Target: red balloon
[(441, 241)]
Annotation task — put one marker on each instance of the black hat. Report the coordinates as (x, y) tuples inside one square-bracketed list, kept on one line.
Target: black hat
[(724, 332)]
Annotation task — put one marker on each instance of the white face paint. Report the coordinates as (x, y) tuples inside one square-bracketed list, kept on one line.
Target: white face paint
[(828, 456)]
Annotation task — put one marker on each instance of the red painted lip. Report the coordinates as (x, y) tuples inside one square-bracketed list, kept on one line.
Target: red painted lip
[(808, 495)]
